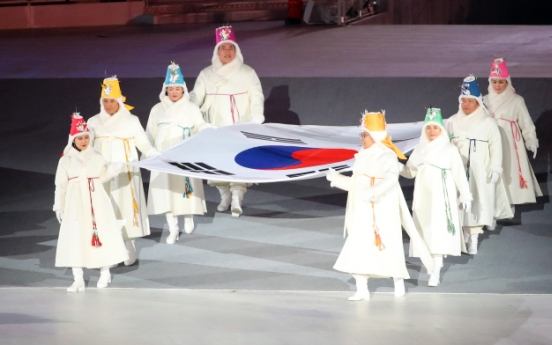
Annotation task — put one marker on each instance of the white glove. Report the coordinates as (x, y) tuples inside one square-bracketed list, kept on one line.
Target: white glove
[(256, 119), (59, 216), (533, 149), (330, 176), (115, 168), (155, 154), (466, 205), (494, 176)]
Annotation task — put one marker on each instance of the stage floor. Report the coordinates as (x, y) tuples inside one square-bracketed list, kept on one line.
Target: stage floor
[(145, 316), (278, 256)]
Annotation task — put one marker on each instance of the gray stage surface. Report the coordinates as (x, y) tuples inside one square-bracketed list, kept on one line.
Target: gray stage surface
[(290, 234)]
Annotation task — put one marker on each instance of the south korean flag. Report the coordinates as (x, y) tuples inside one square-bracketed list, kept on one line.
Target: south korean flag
[(254, 153)]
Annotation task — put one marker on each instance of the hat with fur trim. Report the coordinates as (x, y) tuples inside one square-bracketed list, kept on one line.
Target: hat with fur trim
[(112, 90)]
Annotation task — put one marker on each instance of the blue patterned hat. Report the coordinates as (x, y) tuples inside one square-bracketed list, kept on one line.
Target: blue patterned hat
[(470, 88), (174, 76)]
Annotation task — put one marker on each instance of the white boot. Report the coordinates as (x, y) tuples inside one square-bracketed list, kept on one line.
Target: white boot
[(174, 232), (237, 198), (513, 208), (435, 276), (362, 293), (105, 278), (399, 287), (78, 284), (131, 250), (472, 244), (189, 224), (492, 226), (466, 235), (225, 198)]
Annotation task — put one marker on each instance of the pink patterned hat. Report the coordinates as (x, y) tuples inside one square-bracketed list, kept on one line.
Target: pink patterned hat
[(225, 33), (499, 69)]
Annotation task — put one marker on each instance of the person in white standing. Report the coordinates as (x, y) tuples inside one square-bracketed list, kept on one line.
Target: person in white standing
[(229, 92), (375, 210), (475, 133), (172, 120), (440, 182), (518, 133), (89, 236), (118, 134)]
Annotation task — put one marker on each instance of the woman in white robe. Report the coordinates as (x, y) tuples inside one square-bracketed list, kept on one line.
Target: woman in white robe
[(89, 236), (375, 211), (118, 135), (518, 134), (440, 182), (172, 120)]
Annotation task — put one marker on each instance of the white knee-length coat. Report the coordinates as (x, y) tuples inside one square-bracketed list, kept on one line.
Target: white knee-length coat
[(376, 165), (478, 139), (518, 134), (79, 179), (169, 123), (440, 185), (117, 138)]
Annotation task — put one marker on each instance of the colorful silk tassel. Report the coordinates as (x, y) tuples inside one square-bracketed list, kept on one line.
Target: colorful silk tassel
[(378, 241), (188, 190), (96, 240), (136, 209), (522, 182)]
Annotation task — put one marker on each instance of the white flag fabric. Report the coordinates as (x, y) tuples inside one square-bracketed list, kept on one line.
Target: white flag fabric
[(255, 153)]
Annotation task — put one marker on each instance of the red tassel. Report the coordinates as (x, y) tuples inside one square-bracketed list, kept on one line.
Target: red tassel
[(522, 182), (96, 240)]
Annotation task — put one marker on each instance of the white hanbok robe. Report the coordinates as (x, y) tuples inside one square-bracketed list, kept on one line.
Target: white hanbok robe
[(440, 185), (478, 139), (169, 123), (79, 192), (518, 134), (117, 138), (376, 169), (229, 95)]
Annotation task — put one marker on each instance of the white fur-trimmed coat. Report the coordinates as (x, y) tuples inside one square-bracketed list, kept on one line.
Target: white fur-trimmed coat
[(117, 138), (168, 124), (523, 133), (360, 255), (235, 98), (79, 178), (478, 140)]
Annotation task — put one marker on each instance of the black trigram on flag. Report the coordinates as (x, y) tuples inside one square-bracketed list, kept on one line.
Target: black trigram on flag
[(201, 168), (273, 138), (337, 168)]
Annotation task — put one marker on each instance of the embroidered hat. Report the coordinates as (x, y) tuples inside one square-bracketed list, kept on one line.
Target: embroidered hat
[(375, 125), (499, 69), (78, 128), (112, 90)]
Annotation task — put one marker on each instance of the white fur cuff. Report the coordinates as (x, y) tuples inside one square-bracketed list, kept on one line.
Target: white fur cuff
[(496, 169), (532, 142)]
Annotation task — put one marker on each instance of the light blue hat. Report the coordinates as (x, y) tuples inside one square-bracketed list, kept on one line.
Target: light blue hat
[(174, 76)]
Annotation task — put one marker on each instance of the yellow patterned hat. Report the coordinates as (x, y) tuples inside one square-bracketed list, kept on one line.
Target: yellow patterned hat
[(111, 89), (374, 123)]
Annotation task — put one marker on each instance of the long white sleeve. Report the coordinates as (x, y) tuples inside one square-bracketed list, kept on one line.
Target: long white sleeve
[(61, 181)]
